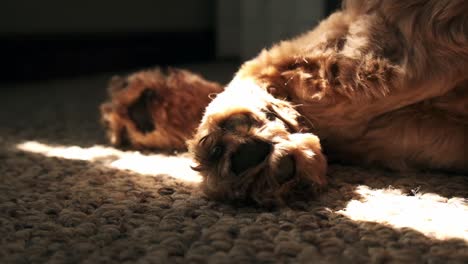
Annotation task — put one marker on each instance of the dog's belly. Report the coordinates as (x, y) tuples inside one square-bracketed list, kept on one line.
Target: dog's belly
[(431, 134)]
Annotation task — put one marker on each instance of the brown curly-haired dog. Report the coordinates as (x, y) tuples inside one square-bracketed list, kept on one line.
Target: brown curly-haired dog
[(153, 109), (381, 82)]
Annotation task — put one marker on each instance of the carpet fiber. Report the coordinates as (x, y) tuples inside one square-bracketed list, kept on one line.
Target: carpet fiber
[(68, 197)]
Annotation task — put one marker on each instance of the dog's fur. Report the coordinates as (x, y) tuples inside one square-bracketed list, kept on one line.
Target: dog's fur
[(382, 82)]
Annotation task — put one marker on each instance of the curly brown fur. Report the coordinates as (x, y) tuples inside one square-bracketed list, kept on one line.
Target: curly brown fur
[(141, 111), (381, 82)]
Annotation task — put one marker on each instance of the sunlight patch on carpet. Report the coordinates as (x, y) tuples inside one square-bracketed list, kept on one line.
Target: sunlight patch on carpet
[(430, 214), (154, 164)]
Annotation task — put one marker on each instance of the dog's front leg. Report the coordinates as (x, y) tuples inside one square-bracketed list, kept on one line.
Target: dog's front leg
[(252, 146)]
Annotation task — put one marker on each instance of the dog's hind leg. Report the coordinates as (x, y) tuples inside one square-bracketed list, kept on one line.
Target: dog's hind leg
[(155, 109)]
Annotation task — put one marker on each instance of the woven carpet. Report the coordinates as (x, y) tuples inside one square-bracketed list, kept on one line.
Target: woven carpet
[(66, 196)]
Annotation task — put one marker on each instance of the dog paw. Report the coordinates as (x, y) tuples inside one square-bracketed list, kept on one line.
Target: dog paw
[(153, 109), (254, 149)]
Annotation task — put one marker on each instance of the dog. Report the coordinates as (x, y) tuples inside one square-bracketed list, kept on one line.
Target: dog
[(377, 83)]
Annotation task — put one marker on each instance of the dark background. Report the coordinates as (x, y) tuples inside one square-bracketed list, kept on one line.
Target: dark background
[(55, 39)]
